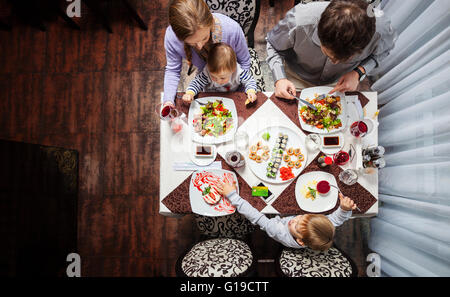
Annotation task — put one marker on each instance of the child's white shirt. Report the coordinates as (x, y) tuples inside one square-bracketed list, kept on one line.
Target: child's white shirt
[(277, 227)]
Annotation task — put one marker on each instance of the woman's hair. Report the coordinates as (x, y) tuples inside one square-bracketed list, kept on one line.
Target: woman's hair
[(221, 57), (345, 28), (186, 17), (317, 232)]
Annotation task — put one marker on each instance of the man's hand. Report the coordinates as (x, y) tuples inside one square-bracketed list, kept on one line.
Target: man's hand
[(225, 188), (284, 88), (347, 83), (346, 203), (188, 98)]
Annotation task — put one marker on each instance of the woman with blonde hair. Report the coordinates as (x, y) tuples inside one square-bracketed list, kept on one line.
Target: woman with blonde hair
[(192, 32)]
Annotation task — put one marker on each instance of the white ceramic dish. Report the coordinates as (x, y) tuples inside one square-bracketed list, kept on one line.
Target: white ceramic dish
[(308, 94), (294, 141), (332, 149), (202, 161), (195, 109), (201, 180), (322, 202)]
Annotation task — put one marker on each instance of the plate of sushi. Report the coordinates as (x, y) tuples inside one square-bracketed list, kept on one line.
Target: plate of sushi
[(214, 121), (276, 154), (331, 114), (204, 197)]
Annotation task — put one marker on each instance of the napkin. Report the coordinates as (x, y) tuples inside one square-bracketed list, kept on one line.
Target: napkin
[(189, 166)]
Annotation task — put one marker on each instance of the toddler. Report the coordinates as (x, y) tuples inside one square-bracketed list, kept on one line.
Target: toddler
[(310, 230), (222, 74)]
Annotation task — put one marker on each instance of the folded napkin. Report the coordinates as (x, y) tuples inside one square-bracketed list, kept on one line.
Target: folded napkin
[(189, 166)]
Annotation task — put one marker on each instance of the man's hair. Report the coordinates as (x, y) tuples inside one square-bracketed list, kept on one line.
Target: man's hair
[(345, 28), (317, 232), (221, 57)]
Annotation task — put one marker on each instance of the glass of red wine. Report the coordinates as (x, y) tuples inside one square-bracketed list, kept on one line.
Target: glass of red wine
[(341, 158), (359, 129), (167, 112)]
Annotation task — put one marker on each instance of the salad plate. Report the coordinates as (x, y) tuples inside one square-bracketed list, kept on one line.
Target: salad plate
[(203, 195), (331, 116), (213, 123)]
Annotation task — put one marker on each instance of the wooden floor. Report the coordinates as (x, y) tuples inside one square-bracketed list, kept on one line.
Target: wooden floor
[(95, 92)]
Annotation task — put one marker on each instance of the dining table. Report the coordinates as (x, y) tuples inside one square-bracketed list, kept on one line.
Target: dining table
[(268, 110)]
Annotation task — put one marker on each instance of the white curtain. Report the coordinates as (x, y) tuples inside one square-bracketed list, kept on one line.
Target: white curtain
[(411, 233)]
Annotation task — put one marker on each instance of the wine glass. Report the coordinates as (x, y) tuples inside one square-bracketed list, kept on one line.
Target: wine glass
[(362, 127), (167, 112)]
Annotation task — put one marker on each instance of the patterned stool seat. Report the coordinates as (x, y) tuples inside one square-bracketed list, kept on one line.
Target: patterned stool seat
[(220, 257), (308, 263)]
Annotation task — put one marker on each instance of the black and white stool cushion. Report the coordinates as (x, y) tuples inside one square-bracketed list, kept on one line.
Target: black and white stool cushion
[(243, 11), (308, 263), (220, 257), (255, 67), (230, 226)]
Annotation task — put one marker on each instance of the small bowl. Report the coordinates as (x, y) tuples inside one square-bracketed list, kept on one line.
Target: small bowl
[(323, 184)]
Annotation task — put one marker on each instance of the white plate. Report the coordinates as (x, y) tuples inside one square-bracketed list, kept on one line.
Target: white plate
[(199, 181), (334, 149), (195, 109), (322, 202), (308, 94), (202, 161), (260, 169)]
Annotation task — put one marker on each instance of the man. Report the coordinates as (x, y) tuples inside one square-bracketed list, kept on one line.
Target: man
[(320, 43)]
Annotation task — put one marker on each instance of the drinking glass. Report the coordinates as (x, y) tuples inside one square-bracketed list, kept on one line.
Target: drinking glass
[(361, 128), (167, 112), (241, 141), (313, 142), (341, 158), (348, 177)]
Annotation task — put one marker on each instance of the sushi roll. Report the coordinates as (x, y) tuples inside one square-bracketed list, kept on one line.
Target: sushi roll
[(285, 136), (284, 141), (283, 146), (286, 158), (278, 160), (274, 170), (276, 165)]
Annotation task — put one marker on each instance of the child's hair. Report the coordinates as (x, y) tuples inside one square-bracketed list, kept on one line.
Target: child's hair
[(221, 57), (186, 17), (317, 232)]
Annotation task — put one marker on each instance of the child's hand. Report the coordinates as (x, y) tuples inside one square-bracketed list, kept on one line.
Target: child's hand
[(251, 96), (188, 98), (346, 203), (225, 188)]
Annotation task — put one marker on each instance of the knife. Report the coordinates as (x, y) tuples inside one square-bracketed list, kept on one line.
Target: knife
[(306, 103)]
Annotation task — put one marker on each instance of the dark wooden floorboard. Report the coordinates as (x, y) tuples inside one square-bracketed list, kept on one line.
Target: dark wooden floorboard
[(95, 92)]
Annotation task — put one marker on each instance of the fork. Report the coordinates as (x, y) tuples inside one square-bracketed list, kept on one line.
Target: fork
[(343, 194)]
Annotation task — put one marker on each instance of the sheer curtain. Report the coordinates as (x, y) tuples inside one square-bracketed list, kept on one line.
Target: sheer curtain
[(411, 234)]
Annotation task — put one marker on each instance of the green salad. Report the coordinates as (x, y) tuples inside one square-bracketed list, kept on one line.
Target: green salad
[(214, 119)]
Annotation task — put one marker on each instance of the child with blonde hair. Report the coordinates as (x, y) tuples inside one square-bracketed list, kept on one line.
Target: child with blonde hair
[(315, 231), (222, 74)]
